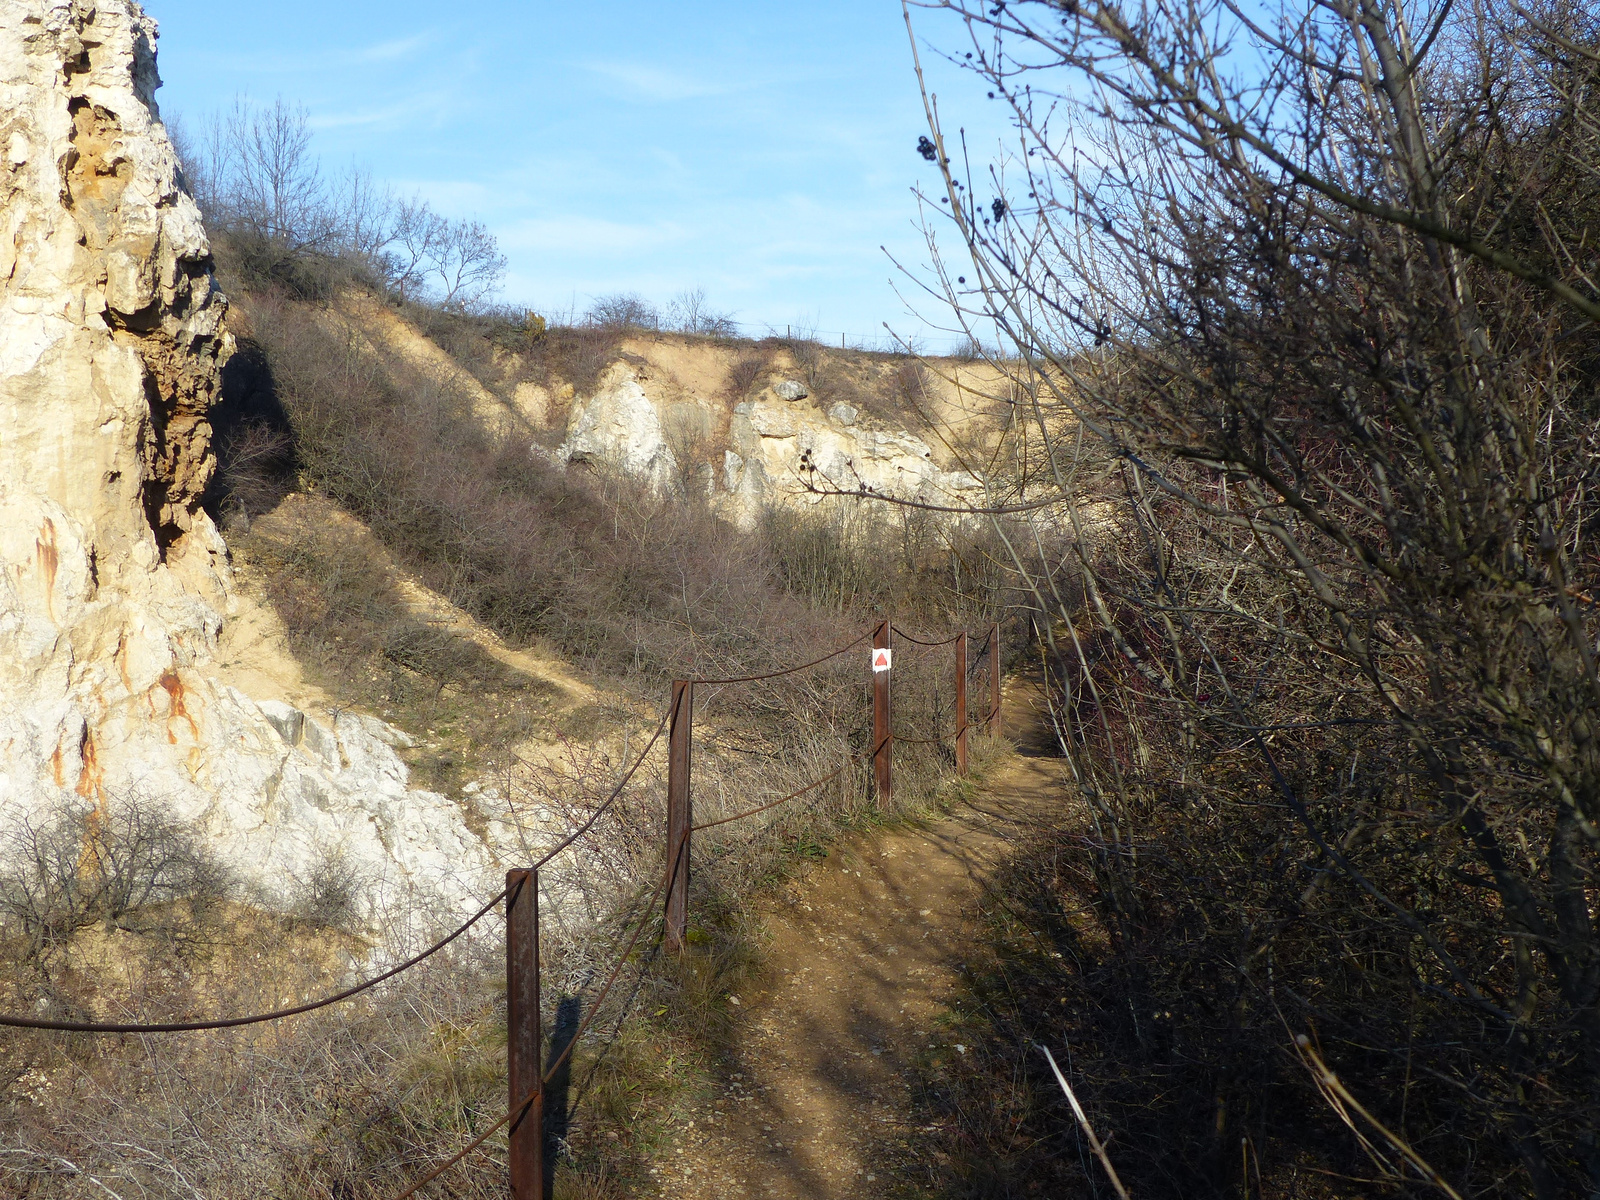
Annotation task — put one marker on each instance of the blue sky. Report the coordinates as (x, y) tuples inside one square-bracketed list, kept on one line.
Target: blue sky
[(763, 152)]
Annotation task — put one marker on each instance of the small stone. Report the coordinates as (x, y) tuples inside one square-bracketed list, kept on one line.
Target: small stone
[(790, 389), (844, 414)]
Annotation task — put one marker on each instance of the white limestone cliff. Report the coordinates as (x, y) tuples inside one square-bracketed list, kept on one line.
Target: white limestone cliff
[(114, 583), (623, 429), (779, 448)]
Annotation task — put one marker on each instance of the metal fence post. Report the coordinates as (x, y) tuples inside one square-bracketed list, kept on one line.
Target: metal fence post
[(882, 734), (961, 703), (524, 1072), (680, 810), (996, 726)]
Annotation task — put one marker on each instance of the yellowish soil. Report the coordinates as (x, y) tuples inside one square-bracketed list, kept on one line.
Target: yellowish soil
[(255, 655), (405, 348), (429, 606), (700, 368), (864, 959)]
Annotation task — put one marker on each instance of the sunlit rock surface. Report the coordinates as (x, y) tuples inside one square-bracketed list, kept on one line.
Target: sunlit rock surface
[(115, 583), (777, 449)]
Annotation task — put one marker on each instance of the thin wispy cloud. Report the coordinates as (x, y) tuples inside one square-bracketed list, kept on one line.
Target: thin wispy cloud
[(401, 113), (587, 236), (271, 63), (657, 83), (394, 50), (455, 197)]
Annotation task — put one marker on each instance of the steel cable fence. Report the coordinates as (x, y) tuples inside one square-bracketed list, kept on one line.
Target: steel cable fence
[(674, 877)]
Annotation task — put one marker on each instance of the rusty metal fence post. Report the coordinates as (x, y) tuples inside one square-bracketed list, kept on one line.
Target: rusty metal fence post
[(680, 811), (524, 1071), (961, 703), (996, 726), (882, 734)]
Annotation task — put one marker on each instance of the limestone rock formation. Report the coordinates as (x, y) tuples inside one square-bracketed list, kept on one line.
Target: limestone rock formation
[(775, 449), (114, 583), (621, 427)]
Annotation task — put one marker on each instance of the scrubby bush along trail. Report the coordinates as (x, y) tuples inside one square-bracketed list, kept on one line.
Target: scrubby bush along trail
[(1317, 288), (818, 1088)]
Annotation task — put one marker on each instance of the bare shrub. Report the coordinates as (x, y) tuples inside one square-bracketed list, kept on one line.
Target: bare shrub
[(124, 864), (687, 431), (330, 894), (1320, 632), (929, 573), (970, 349), (689, 313), (254, 462), (744, 373), (354, 1102), (623, 311), (577, 355), (809, 354)]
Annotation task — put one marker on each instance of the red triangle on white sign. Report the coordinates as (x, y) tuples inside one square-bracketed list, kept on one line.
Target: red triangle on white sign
[(880, 660)]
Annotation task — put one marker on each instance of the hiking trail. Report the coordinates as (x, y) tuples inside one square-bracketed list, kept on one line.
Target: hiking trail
[(863, 956)]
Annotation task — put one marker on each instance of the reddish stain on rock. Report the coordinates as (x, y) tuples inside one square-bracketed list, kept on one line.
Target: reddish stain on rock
[(176, 708), (49, 561), (91, 780)]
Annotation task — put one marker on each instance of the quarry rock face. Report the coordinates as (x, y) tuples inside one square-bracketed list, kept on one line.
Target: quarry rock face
[(114, 583), (777, 448), (622, 429)]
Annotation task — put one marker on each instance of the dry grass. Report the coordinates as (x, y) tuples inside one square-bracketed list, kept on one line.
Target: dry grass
[(354, 1102)]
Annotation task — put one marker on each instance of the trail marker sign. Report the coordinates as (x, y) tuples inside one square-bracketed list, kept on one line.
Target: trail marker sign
[(881, 658)]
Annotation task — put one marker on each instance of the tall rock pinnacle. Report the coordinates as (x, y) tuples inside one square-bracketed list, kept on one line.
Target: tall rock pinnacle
[(114, 583)]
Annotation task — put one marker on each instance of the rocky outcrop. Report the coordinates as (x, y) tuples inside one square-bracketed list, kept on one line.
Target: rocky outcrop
[(779, 448), (115, 583), (792, 453), (621, 427)]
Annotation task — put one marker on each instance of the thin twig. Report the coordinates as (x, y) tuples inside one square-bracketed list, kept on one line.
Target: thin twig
[(1083, 1122)]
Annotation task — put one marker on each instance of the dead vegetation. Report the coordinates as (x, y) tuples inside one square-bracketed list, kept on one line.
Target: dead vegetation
[(347, 491), (1319, 621)]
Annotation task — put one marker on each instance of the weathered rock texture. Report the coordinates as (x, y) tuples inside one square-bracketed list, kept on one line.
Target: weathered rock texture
[(115, 583), (783, 446)]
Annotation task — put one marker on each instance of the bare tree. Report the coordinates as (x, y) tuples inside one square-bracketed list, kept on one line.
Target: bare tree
[(467, 261), (256, 178), (418, 232), (368, 215), (273, 183), (1302, 315), (690, 313)]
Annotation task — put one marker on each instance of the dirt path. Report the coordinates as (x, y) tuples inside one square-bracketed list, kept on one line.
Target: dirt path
[(862, 963)]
